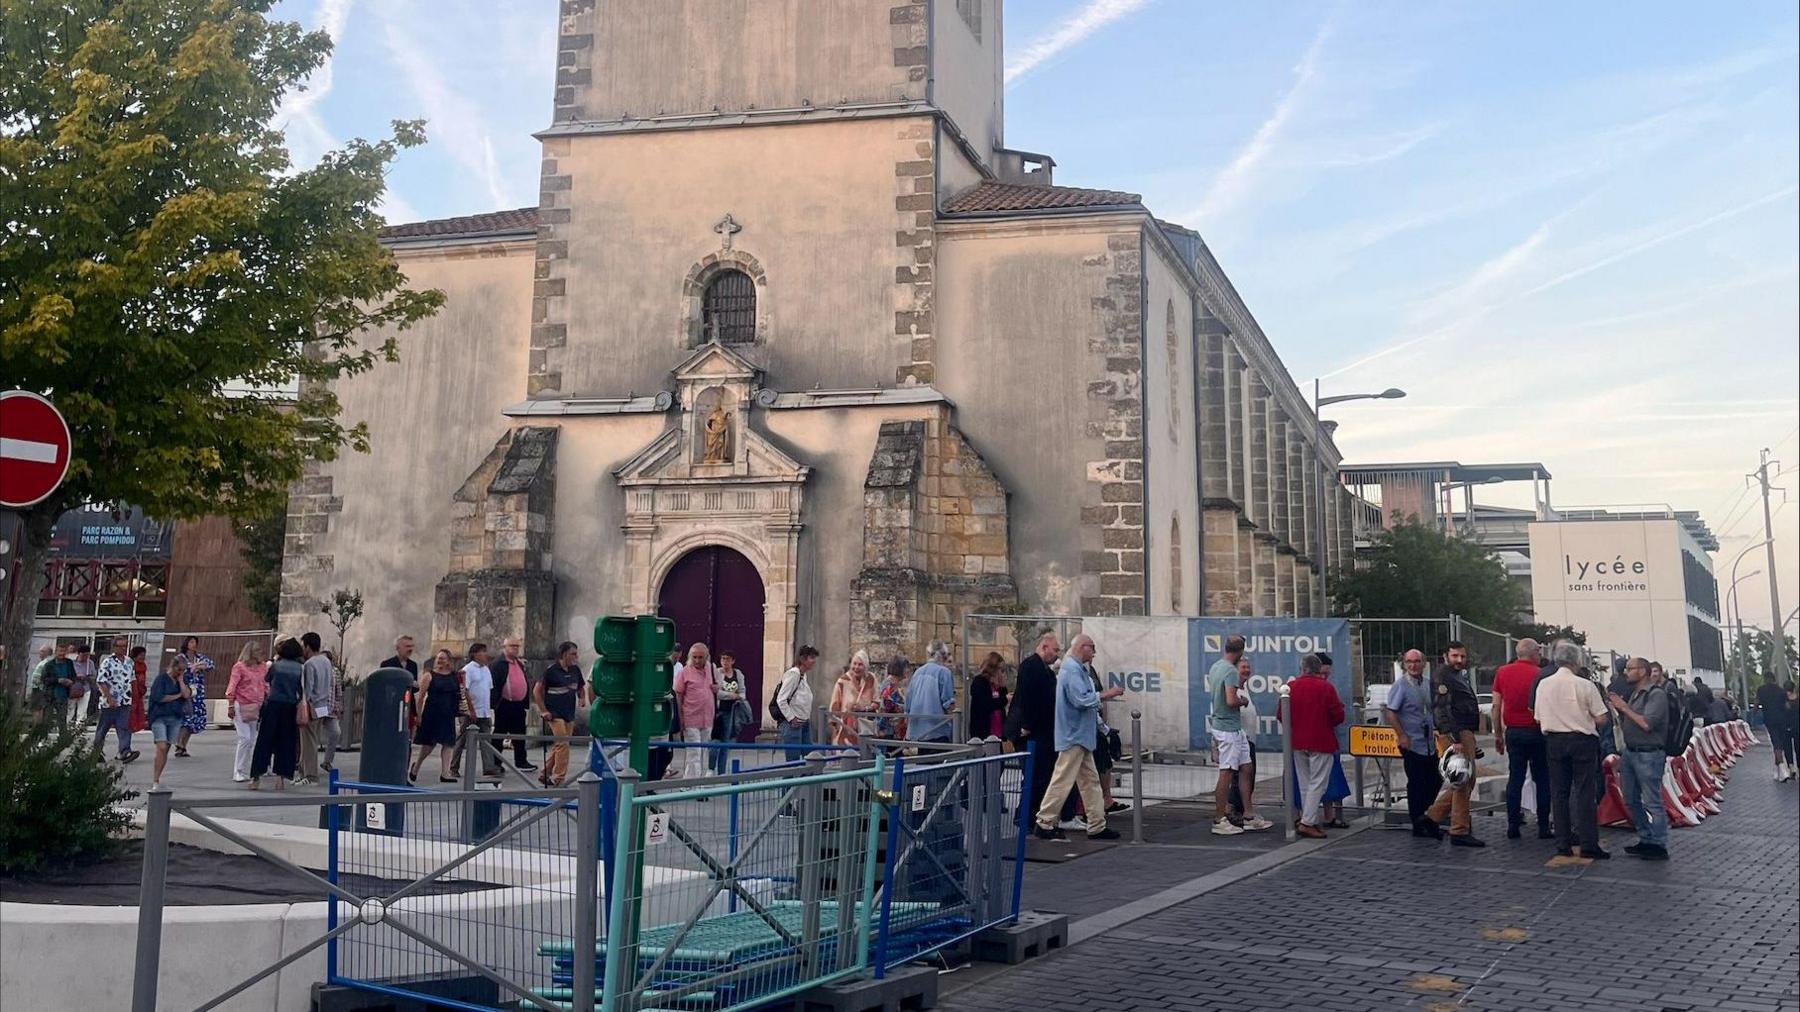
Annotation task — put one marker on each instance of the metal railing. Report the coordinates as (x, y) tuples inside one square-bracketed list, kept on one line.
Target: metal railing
[(951, 827), (385, 932), (756, 898)]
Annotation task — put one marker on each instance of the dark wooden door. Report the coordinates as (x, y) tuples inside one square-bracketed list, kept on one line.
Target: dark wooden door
[(714, 596)]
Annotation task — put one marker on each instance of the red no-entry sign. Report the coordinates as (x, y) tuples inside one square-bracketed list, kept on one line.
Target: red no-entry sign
[(34, 448)]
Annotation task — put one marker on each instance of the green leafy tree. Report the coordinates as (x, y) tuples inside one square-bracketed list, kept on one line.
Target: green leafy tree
[(261, 539), (1753, 653), (159, 253), (1416, 571), (1546, 634)]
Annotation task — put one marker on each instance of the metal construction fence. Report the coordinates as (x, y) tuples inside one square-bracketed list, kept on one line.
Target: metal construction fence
[(716, 907), (709, 894), (1488, 650), (411, 910), (957, 818), (1379, 643)]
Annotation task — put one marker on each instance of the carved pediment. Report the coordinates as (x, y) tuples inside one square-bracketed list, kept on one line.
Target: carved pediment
[(667, 459), (714, 363), (711, 440)]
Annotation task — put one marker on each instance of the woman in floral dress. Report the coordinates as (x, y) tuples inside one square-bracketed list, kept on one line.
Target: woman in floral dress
[(198, 666), (892, 701)]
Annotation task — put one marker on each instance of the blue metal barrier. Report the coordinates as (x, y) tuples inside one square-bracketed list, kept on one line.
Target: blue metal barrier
[(952, 827)]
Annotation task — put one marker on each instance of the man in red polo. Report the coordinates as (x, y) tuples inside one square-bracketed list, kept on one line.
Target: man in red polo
[(1518, 737), (1316, 713)]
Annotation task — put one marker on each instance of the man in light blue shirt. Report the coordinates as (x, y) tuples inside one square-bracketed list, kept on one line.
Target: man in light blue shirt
[(931, 697), (1077, 728), (1407, 710)]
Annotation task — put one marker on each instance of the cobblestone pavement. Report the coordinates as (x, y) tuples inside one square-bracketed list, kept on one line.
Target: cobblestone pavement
[(1380, 920)]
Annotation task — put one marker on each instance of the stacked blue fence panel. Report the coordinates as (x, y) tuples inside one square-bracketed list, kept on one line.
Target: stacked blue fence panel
[(951, 863)]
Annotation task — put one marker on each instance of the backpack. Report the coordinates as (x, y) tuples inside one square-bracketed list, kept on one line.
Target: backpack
[(1677, 716), (775, 712)]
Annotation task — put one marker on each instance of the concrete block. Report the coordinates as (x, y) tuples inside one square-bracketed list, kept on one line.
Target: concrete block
[(907, 987), (1034, 934)]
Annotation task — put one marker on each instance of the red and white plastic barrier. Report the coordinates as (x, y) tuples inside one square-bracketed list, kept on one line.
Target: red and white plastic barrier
[(1680, 814), (1613, 810)]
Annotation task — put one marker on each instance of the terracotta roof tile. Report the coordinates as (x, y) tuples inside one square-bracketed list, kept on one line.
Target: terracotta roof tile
[(522, 219), (991, 197)]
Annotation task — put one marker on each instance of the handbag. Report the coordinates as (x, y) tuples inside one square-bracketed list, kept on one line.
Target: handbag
[(249, 713), (464, 703), (303, 713)]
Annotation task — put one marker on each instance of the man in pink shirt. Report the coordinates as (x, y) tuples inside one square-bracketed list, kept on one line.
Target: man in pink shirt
[(512, 698), (695, 701)]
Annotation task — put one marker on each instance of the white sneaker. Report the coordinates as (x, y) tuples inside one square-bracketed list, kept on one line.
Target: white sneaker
[(239, 780), (1074, 825), (1223, 827), (1257, 824)]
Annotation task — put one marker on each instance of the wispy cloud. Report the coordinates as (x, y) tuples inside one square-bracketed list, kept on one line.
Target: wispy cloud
[(1660, 238), (1384, 149), (308, 137), (1072, 30), (1236, 179), (451, 118), (1459, 307)]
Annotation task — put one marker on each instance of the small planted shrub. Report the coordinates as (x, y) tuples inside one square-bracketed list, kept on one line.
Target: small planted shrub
[(59, 798)]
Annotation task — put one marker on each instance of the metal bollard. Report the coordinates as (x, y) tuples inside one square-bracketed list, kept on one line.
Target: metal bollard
[(810, 873), (150, 901), (1287, 763), (1137, 776), (471, 760), (587, 866)]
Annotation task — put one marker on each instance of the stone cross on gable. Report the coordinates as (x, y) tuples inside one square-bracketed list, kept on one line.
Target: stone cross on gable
[(727, 227)]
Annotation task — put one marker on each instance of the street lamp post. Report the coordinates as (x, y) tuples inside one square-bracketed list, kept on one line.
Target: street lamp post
[(1731, 592), (1324, 563), (1735, 623)]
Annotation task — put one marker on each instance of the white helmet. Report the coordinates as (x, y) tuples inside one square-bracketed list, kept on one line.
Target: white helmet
[(1456, 768)]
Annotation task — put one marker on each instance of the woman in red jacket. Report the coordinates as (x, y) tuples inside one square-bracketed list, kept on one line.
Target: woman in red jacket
[(1317, 712)]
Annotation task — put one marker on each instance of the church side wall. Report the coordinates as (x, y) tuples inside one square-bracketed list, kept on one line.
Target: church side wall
[(734, 55), (378, 522), (965, 69), (818, 216), (955, 172), (1172, 531), (1029, 312)]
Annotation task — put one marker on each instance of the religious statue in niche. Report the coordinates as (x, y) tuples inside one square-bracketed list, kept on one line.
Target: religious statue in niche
[(718, 437)]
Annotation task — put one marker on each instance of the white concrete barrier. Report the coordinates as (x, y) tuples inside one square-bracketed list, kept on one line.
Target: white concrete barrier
[(84, 953)]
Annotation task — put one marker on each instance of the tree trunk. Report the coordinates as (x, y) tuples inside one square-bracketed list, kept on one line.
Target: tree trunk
[(15, 633)]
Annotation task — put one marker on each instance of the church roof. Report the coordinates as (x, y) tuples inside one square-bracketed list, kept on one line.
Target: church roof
[(518, 221), (990, 198)]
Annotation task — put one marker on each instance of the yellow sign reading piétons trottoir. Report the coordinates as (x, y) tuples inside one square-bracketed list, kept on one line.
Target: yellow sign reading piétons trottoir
[(1374, 740)]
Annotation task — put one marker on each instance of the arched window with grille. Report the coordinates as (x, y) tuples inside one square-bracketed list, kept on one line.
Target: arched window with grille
[(728, 309)]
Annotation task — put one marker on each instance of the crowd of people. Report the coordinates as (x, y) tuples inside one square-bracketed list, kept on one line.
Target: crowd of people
[(1554, 721)]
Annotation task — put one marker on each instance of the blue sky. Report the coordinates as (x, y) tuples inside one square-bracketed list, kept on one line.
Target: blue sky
[(1568, 230)]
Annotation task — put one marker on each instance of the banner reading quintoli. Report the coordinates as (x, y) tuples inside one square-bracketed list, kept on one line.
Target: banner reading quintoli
[(1274, 647)]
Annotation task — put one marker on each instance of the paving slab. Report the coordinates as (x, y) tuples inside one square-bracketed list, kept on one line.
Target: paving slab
[(1381, 920)]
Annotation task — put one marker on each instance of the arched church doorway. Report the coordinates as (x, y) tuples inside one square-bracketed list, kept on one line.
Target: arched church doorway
[(715, 596)]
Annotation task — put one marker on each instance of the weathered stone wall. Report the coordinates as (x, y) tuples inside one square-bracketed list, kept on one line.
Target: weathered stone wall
[(735, 56), (1112, 533), (935, 540), (501, 581), (834, 217)]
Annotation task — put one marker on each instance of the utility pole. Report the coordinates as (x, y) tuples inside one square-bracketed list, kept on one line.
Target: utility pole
[(1762, 478)]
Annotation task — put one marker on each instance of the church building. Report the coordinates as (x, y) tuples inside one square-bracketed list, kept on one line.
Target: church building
[(794, 349)]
